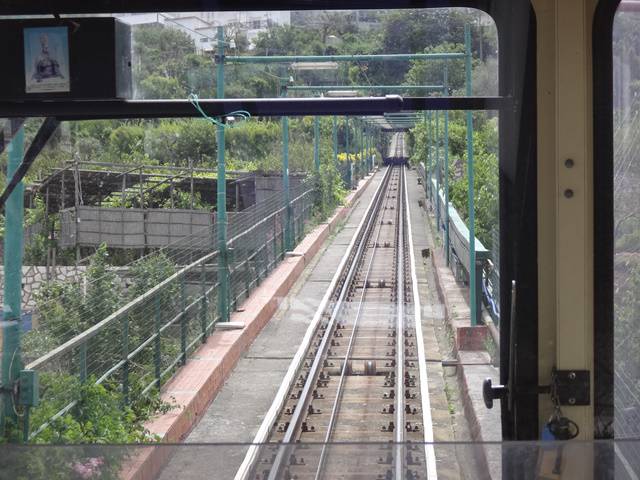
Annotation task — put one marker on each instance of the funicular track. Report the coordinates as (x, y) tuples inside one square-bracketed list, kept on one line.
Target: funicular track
[(359, 376)]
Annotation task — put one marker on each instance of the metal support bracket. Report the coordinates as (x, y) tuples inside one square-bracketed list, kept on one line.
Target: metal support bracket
[(572, 387)]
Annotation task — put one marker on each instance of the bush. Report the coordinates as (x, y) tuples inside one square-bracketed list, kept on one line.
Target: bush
[(330, 190)]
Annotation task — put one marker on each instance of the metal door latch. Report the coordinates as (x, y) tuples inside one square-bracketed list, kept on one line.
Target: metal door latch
[(568, 387), (572, 387)]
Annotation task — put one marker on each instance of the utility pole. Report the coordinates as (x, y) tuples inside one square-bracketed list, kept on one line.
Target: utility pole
[(316, 143)]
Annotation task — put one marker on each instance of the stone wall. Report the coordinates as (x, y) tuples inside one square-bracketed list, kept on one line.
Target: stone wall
[(34, 276)]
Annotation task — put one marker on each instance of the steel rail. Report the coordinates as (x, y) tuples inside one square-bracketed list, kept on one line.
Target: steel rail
[(297, 415), (400, 321), (245, 470), (340, 390)]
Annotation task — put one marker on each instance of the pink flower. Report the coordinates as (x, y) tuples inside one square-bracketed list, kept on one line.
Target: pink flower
[(88, 469)]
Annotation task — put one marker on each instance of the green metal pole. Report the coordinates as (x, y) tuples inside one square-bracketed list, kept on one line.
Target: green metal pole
[(437, 145), (356, 150), (359, 150), (472, 229), (335, 140), (221, 220), (425, 162), (368, 149), (430, 154), (366, 88), (316, 143), (11, 319), (285, 183), (288, 237), (342, 58), (446, 168), (370, 146), (349, 173)]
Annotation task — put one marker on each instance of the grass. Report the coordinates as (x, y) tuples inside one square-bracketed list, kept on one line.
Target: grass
[(450, 401)]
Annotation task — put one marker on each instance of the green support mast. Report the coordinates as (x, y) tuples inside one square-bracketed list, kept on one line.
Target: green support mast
[(288, 237), (446, 168), (221, 217), (11, 318), (316, 143), (473, 301)]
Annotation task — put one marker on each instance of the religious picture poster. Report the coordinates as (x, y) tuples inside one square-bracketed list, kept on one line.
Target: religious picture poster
[(46, 59)]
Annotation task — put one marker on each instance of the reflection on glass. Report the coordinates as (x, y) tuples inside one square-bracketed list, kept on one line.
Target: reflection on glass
[(348, 460), (175, 52), (626, 73)]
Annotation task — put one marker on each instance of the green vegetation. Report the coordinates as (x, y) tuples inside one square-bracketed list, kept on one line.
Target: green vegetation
[(485, 155), (66, 309)]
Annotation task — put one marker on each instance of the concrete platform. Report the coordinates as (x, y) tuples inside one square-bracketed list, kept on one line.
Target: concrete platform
[(469, 353)]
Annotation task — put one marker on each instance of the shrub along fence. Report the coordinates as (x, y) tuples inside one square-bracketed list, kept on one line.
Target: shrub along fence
[(137, 346)]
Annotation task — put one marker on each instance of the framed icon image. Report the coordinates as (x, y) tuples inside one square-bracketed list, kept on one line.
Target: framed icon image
[(46, 59)]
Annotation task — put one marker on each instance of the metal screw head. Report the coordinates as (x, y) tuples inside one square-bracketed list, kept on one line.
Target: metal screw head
[(572, 401), (572, 375), (569, 163), (568, 193)]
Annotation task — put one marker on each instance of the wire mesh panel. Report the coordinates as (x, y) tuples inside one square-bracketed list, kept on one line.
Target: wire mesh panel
[(135, 338)]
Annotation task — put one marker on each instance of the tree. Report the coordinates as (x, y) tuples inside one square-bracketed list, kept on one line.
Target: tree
[(431, 72), (156, 86), (161, 50)]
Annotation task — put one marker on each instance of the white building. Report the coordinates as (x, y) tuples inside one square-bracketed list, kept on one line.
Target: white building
[(202, 27)]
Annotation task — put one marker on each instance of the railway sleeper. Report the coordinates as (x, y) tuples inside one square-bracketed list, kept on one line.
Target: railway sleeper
[(306, 428), (389, 410), (388, 428), (408, 395), (293, 460), (367, 369), (410, 410), (409, 427)]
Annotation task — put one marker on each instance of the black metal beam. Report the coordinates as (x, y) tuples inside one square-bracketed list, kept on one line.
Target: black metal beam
[(455, 103), (40, 140), (110, 109)]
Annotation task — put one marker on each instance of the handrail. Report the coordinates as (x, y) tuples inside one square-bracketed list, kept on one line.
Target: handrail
[(93, 330)]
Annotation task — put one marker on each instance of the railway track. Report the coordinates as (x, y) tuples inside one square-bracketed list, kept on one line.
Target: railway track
[(397, 152), (359, 376)]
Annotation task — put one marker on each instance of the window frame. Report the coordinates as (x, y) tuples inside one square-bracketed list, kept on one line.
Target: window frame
[(517, 147)]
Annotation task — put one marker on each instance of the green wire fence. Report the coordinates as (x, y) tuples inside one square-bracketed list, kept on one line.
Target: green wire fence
[(141, 343)]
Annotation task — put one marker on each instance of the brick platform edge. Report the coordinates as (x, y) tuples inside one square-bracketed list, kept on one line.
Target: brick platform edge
[(195, 385), (475, 365)]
